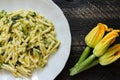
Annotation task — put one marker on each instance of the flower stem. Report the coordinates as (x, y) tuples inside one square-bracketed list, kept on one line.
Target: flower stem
[(94, 63), (77, 68), (84, 55)]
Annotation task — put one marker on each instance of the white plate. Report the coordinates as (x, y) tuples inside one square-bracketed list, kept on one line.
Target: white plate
[(51, 11)]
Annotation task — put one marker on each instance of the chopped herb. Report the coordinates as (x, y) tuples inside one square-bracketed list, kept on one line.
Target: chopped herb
[(31, 51), (6, 21), (13, 22), (10, 39), (17, 63), (32, 14), (37, 47), (25, 30), (16, 17), (3, 13)]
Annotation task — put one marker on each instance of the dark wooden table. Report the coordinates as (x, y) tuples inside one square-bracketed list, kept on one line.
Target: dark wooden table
[(82, 16)]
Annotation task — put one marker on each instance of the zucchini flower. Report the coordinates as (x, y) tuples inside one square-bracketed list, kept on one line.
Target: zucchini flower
[(112, 54), (92, 39), (103, 45), (96, 34), (98, 51)]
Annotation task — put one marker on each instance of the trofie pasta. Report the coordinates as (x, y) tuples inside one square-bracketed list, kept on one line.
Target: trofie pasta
[(27, 39)]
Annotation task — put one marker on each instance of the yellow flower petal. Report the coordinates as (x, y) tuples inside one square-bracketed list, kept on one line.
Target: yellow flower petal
[(103, 45), (111, 55), (96, 34), (109, 60)]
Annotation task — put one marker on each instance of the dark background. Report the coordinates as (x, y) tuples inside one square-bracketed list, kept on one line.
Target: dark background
[(82, 16)]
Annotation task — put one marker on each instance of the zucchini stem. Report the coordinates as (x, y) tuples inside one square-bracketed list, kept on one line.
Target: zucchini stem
[(79, 67)]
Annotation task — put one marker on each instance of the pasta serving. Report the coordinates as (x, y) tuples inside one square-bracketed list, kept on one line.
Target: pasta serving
[(27, 39)]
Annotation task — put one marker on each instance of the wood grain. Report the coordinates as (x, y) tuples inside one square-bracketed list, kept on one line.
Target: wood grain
[(82, 16)]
